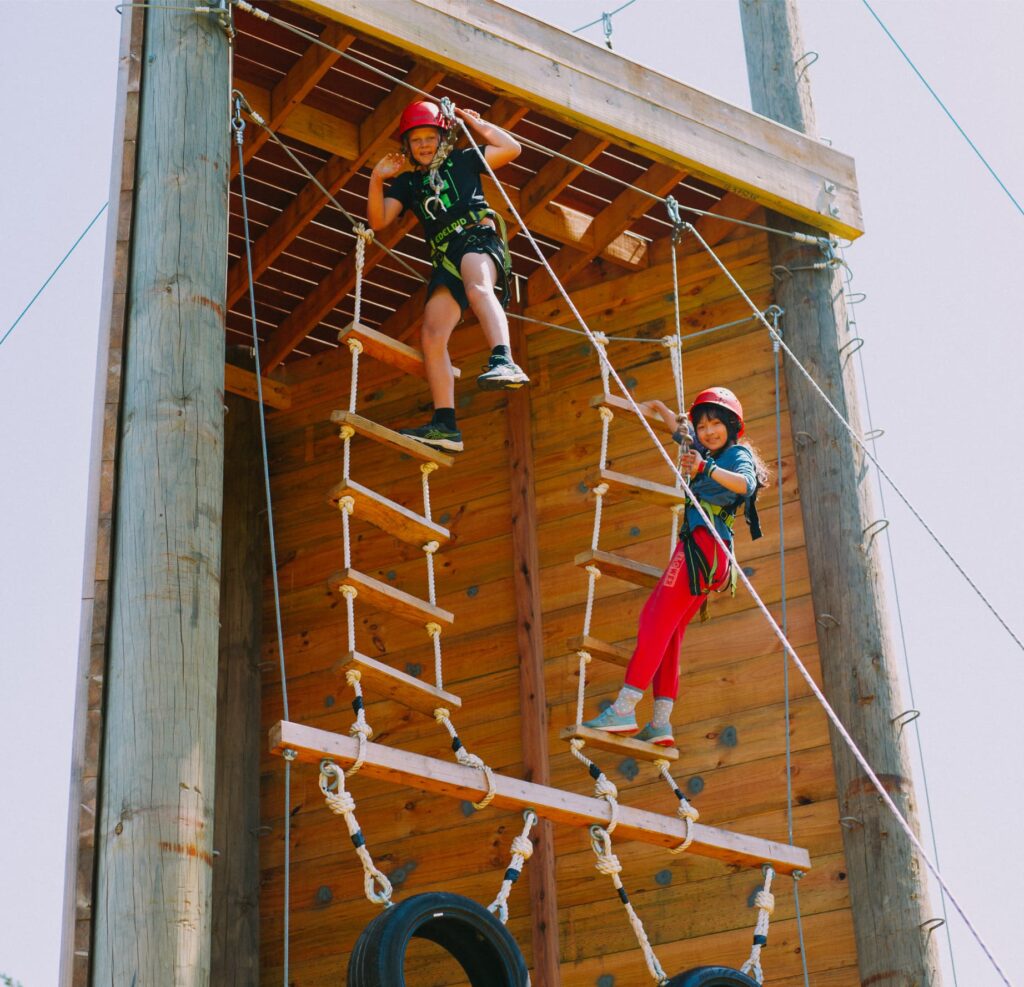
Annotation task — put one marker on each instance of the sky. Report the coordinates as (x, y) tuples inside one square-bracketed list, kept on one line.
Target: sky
[(943, 359)]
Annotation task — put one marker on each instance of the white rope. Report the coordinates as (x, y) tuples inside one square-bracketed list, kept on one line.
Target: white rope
[(765, 903), (434, 630), (355, 347), (346, 505), (332, 784), (345, 433), (426, 469), (606, 419), (585, 658), (684, 810), (428, 551), (350, 593), (363, 236), (608, 863), (522, 850), (604, 787), (742, 576), (361, 729), (463, 756), (673, 535), (600, 341), (599, 491), (594, 575), (672, 344)]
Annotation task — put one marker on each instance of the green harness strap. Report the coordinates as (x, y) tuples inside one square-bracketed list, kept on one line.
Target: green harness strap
[(696, 557), (439, 242)]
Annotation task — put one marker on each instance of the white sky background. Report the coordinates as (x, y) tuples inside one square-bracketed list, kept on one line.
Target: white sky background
[(944, 357)]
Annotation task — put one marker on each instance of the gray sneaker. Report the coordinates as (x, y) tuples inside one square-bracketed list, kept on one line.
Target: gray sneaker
[(501, 375), (437, 435)]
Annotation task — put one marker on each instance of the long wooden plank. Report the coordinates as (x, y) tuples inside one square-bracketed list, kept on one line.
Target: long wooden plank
[(382, 680), (626, 746), (238, 380), (395, 601), (389, 437), (610, 564), (616, 403), (385, 348), (428, 774), (647, 491), (387, 515), (600, 649), (734, 149)]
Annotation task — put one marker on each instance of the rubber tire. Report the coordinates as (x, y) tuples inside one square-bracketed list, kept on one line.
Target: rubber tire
[(466, 930), (712, 976)]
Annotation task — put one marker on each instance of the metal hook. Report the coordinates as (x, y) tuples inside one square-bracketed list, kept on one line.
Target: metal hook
[(810, 57), (804, 439), (873, 530), (856, 297), (851, 345), (826, 620), (875, 433), (848, 822), (906, 717), (931, 925)]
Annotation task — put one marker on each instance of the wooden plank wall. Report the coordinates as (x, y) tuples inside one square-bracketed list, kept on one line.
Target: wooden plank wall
[(729, 722)]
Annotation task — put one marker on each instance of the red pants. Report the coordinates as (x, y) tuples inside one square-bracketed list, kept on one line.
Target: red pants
[(669, 608)]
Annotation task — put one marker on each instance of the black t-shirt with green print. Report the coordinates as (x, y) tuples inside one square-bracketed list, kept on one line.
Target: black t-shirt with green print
[(461, 192)]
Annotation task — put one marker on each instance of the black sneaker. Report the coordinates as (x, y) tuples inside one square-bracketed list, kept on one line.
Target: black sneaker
[(437, 435), (501, 375)]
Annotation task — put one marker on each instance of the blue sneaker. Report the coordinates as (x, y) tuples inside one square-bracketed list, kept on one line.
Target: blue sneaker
[(662, 736), (612, 722)]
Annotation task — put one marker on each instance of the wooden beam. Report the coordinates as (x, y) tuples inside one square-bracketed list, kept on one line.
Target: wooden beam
[(533, 722), (387, 515), (617, 403), (242, 382), (380, 680), (306, 124), (611, 97), (636, 488), (374, 131), (557, 174), (429, 774), (619, 744), (288, 94), (386, 436), (628, 205), (620, 567), (389, 599), (601, 649)]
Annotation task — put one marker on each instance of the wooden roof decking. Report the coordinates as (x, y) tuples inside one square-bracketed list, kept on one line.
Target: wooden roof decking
[(339, 117)]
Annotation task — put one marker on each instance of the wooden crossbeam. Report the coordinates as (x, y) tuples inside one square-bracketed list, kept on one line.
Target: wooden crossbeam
[(379, 679), (386, 436), (617, 744), (390, 599), (610, 564), (615, 403), (601, 649), (557, 174), (387, 515), (288, 94), (374, 131), (434, 776), (647, 491), (608, 224), (387, 349), (243, 383)]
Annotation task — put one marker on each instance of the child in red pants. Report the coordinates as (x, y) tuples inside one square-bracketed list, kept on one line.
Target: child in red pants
[(726, 476)]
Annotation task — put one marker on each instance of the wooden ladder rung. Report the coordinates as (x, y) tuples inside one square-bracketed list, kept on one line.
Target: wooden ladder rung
[(389, 437), (658, 494), (618, 744), (622, 405), (387, 515), (382, 347), (381, 596), (638, 573), (382, 680), (601, 649)]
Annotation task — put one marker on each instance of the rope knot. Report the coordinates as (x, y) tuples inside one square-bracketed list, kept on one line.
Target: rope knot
[(585, 657), (608, 864), (670, 342), (604, 788), (355, 345), (594, 571), (431, 547), (600, 490), (352, 676), (442, 715), (427, 468), (434, 630), (361, 728), (522, 845), (346, 432), (576, 744), (765, 900), (347, 504), (341, 803), (349, 592), (606, 413), (601, 338)]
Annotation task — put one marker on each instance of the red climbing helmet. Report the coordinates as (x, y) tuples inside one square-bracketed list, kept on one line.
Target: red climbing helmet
[(421, 114), (722, 397)]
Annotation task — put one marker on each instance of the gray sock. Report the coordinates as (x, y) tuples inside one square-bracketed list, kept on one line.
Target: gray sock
[(626, 700), (662, 712)]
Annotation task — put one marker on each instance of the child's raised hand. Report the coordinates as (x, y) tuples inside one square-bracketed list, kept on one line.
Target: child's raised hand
[(466, 114), (691, 463), (389, 165)]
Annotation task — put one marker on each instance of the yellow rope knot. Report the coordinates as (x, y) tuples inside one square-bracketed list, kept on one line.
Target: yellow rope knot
[(585, 657), (347, 504), (433, 629), (352, 676), (442, 715), (346, 432), (427, 468), (522, 845), (355, 345), (431, 547), (606, 413), (365, 232), (349, 592), (600, 490), (594, 571)]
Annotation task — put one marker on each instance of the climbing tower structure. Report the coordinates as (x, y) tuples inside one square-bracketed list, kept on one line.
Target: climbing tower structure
[(373, 593)]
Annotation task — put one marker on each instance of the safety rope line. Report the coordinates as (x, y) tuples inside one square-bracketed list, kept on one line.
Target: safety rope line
[(361, 729), (53, 273), (687, 812), (238, 128), (657, 341), (398, 81), (873, 435), (341, 803), (764, 901), (775, 311), (522, 850), (465, 758), (863, 445), (604, 787), (608, 863), (741, 575)]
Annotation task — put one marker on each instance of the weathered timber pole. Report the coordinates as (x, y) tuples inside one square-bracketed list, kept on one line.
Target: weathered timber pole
[(532, 692), (887, 884), (235, 960), (154, 841)]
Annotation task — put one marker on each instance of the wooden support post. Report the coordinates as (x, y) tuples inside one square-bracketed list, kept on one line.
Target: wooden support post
[(154, 843), (430, 774), (234, 961), (533, 718), (887, 886)]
